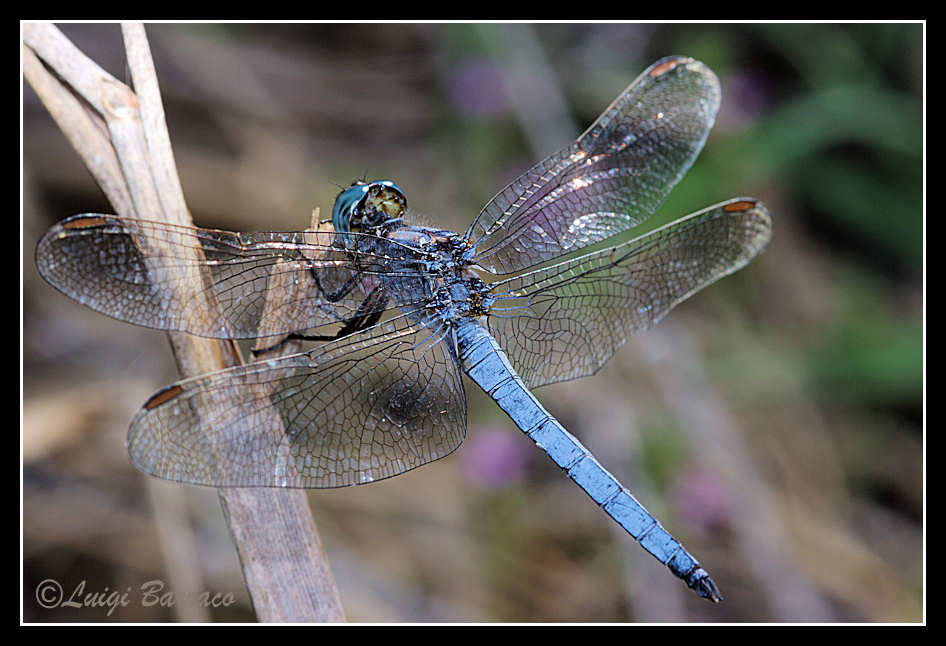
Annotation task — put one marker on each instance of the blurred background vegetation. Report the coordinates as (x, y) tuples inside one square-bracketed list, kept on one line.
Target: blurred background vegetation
[(774, 422)]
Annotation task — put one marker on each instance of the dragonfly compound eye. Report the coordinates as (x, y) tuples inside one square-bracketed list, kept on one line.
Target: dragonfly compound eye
[(383, 202), (366, 206), (345, 205)]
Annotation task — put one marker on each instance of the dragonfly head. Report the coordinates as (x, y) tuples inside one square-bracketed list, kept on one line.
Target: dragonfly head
[(369, 207)]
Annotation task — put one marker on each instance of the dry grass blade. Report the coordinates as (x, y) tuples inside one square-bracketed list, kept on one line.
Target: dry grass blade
[(123, 139), (83, 127)]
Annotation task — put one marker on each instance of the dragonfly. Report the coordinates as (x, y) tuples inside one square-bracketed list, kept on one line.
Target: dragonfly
[(393, 314)]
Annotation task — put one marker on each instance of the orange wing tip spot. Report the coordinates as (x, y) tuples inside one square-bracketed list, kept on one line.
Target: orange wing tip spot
[(85, 222), (665, 67), (163, 396), (742, 205)]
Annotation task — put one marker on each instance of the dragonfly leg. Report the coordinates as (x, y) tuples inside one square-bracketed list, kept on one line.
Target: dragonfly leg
[(260, 352), (341, 292), (367, 314)]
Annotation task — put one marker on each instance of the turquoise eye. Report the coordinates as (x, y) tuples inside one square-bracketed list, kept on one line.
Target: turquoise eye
[(345, 205), (350, 205)]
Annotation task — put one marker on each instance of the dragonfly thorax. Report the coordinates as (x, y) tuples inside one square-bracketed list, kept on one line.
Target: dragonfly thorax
[(462, 295), (442, 252)]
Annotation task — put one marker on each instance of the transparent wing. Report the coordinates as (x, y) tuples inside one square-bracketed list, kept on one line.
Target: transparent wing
[(246, 285), (609, 180), (359, 409), (565, 321)]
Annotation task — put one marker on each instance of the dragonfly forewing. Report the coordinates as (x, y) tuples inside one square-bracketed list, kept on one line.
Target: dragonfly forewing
[(237, 285), (609, 180)]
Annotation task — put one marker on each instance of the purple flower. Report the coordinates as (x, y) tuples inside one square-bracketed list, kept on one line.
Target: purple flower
[(475, 89), (699, 497), (495, 456), (744, 99)]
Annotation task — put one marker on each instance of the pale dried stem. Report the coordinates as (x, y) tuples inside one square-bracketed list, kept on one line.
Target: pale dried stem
[(122, 137)]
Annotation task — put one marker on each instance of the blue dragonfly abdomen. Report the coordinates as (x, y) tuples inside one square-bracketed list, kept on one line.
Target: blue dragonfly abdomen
[(485, 362)]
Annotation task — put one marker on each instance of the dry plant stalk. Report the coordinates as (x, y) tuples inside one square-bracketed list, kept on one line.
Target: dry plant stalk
[(122, 137)]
